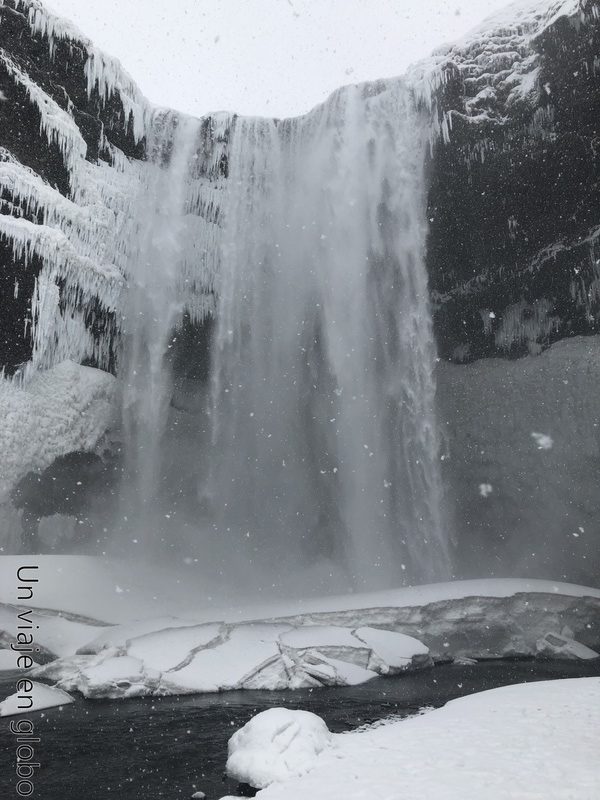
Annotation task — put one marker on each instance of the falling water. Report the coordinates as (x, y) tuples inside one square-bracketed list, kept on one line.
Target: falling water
[(324, 443), (153, 312)]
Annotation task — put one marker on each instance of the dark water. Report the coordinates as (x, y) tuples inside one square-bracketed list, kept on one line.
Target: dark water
[(152, 748)]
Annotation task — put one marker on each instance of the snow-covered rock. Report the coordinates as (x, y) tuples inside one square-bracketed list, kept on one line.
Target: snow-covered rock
[(57, 411), (42, 696), (276, 745)]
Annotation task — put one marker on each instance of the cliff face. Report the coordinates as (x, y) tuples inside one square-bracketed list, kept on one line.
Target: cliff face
[(67, 115), (512, 254)]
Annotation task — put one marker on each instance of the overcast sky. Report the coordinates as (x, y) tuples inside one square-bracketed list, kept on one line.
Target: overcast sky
[(266, 57)]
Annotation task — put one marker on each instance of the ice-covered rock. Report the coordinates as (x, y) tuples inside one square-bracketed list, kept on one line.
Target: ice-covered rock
[(59, 410), (36, 698), (553, 644), (275, 745)]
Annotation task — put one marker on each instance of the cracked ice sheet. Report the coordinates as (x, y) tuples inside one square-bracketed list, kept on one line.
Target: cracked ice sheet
[(395, 649), (119, 635), (244, 653), (169, 649), (537, 741), (111, 676), (366, 648), (217, 657)]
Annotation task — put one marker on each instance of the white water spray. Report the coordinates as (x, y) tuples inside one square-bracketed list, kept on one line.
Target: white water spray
[(324, 435), (154, 311)]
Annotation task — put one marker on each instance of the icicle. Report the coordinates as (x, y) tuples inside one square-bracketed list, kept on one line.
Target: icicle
[(110, 79), (83, 282), (58, 127)]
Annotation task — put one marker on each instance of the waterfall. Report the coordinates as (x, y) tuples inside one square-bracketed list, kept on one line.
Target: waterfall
[(324, 440), (154, 310), (316, 448)]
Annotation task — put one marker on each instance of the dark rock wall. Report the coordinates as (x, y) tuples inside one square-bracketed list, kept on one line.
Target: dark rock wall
[(514, 200)]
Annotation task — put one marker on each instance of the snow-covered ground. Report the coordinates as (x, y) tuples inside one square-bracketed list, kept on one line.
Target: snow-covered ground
[(176, 635), (535, 741)]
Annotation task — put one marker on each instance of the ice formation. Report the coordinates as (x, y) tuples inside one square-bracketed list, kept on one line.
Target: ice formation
[(216, 657)]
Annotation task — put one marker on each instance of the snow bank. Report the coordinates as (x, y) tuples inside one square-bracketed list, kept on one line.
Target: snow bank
[(117, 592), (535, 740), (276, 745), (43, 697), (66, 408)]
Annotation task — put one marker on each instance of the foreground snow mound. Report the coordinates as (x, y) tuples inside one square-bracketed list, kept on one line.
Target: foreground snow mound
[(42, 697), (537, 741), (276, 745)]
